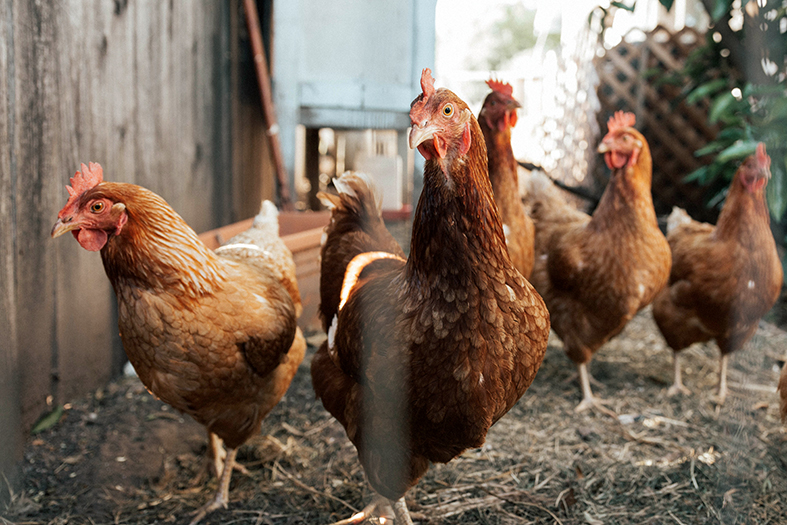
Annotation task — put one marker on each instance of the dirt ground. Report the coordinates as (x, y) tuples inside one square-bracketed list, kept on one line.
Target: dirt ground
[(120, 456)]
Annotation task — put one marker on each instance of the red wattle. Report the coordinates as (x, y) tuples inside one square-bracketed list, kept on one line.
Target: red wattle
[(91, 240)]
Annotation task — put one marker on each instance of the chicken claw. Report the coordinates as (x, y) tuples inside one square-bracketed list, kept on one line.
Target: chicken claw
[(588, 399), (399, 510), (677, 384), (223, 494)]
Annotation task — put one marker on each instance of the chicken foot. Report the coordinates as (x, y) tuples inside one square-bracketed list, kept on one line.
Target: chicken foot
[(217, 456), (588, 399), (223, 494), (399, 510), (402, 514), (677, 384)]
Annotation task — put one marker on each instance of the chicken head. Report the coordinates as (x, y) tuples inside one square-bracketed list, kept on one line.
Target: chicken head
[(89, 217)]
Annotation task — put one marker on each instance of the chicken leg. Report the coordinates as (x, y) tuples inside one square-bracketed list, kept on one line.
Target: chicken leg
[(217, 455), (721, 393), (588, 399), (401, 512), (677, 384), (223, 494)]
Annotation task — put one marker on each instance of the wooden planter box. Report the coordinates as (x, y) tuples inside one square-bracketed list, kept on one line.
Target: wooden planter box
[(301, 232)]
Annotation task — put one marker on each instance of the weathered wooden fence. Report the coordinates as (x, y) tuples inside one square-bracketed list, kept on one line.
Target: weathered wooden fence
[(162, 94), (630, 77)]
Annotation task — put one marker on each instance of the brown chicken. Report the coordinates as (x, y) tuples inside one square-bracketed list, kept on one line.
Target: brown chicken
[(212, 334), (595, 273), (425, 354), (496, 118), (724, 278)]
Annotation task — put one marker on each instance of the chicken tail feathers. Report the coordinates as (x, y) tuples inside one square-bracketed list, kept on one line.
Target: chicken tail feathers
[(357, 195), (678, 217), (268, 217), (356, 227)]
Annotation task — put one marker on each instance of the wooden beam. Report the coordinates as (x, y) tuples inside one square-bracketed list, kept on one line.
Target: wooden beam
[(268, 107)]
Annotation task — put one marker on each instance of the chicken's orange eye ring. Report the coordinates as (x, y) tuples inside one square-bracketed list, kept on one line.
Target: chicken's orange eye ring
[(97, 207), (448, 110)]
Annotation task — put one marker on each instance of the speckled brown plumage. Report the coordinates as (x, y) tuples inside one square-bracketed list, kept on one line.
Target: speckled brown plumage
[(496, 121), (595, 273), (212, 334), (723, 278), (429, 352)]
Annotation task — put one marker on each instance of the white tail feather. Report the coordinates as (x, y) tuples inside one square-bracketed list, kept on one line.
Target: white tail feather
[(677, 218)]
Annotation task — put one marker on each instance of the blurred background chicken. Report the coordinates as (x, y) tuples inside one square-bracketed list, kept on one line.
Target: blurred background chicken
[(212, 334), (425, 354), (724, 278), (496, 118), (595, 272)]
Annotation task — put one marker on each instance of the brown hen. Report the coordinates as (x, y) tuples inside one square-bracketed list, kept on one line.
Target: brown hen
[(724, 278), (496, 118), (425, 354), (212, 334), (595, 273)]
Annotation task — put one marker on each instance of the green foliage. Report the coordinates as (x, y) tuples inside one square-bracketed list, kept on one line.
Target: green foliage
[(746, 112), (758, 114), (511, 34), (47, 421), (621, 5)]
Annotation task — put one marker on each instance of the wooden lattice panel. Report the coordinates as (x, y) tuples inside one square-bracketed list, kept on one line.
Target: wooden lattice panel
[(628, 77)]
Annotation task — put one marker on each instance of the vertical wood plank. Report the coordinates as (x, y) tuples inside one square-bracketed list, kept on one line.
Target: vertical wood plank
[(10, 429), (34, 105)]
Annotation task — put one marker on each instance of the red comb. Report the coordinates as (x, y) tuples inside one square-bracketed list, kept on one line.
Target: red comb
[(620, 120), (427, 82), (763, 160), (417, 108), (89, 177), (504, 88)]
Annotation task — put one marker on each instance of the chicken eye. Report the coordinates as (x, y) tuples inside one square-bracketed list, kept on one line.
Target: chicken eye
[(448, 110), (97, 207)]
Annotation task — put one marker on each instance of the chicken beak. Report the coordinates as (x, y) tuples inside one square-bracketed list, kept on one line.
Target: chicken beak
[(604, 147), (419, 135), (64, 226)]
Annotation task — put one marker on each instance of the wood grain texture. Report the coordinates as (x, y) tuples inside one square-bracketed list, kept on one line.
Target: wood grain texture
[(10, 429)]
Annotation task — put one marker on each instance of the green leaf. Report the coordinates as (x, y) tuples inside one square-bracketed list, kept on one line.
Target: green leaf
[(710, 147), (755, 90), (706, 89), (667, 4), (621, 5), (729, 135), (720, 8), (697, 175), (777, 190), (721, 104), (717, 199), (739, 150), (47, 421)]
